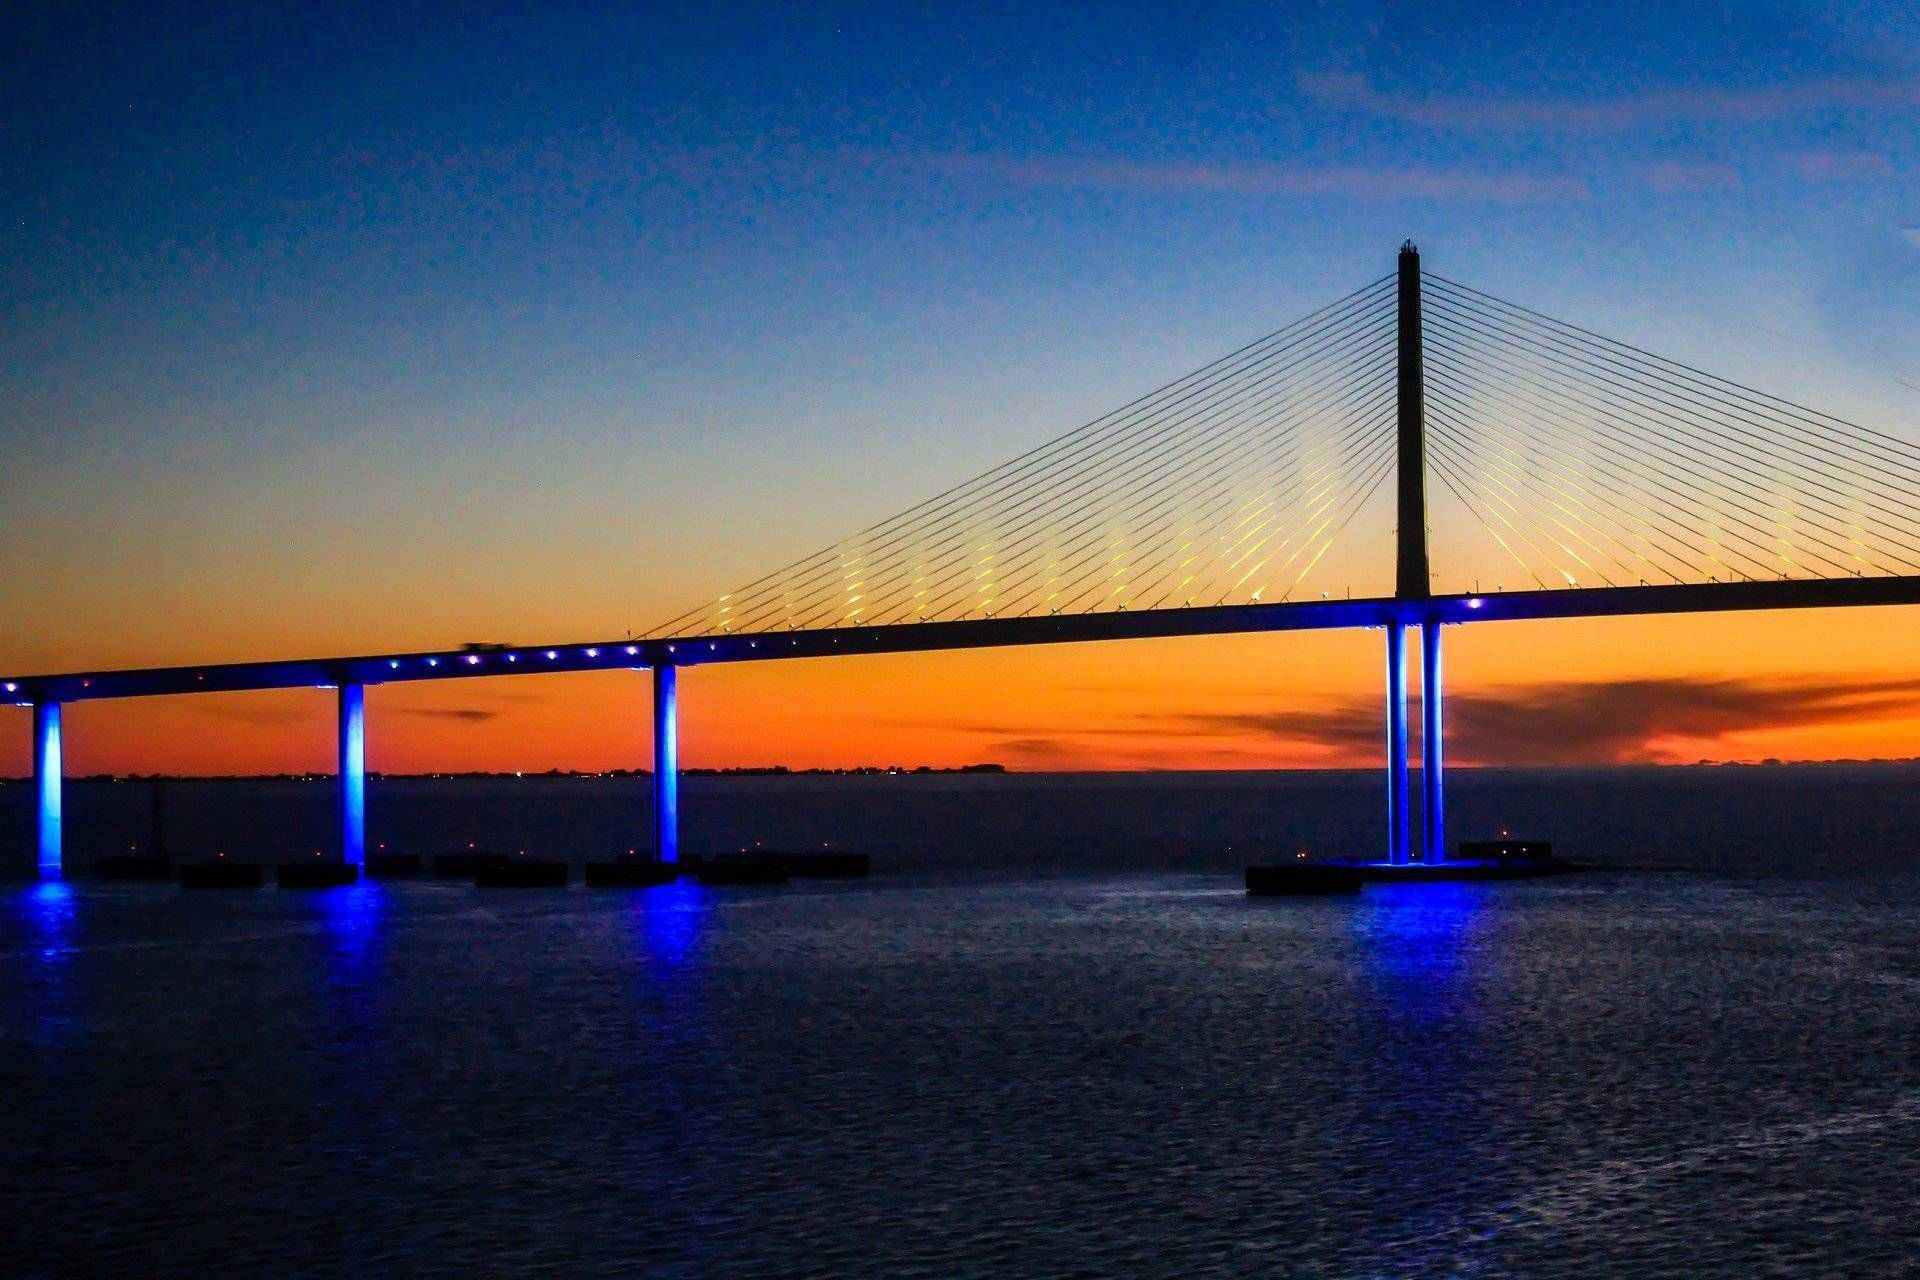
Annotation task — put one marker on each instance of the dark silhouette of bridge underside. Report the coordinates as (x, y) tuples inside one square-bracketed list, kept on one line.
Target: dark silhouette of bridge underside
[(1575, 476)]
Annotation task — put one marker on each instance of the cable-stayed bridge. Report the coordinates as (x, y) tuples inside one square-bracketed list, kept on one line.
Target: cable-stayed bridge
[(1284, 486)]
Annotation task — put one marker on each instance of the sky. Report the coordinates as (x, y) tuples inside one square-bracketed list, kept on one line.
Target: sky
[(393, 327)]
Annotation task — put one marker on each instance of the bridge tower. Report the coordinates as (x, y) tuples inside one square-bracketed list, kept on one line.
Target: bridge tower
[(1411, 578), (1412, 589)]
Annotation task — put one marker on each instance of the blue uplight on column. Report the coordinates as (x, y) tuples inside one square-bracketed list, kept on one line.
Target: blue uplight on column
[(666, 765), (1432, 744), (47, 770), (352, 778), (1398, 791)]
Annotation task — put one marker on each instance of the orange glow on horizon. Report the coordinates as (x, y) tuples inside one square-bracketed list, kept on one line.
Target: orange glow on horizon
[(1794, 686)]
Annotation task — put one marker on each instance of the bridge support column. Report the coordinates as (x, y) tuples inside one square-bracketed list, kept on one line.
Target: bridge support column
[(350, 810), (1433, 848), (1399, 793), (48, 776), (666, 764)]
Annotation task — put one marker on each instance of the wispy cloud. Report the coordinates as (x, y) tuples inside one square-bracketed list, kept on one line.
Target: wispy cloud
[(1744, 105), (1683, 178), (1840, 166), (1352, 182), (1673, 720), (1035, 735), (471, 715), (1587, 721), (1033, 751)]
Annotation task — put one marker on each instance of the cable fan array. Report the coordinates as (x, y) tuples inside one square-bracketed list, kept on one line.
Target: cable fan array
[(1593, 463), (1228, 485)]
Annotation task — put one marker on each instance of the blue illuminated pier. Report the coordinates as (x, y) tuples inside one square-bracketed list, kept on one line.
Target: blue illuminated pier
[(1432, 746), (666, 764), (48, 774), (1399, 794), (874, 597), (351, 802)]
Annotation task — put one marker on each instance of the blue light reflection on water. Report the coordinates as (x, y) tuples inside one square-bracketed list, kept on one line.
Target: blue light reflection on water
[(665, 927), (669, 919), (46, 920), (349, 986), (352, 918), (52, 905), (1415, 945), (673, 1058), (351, 1085), (353, 928), (1415, 939)]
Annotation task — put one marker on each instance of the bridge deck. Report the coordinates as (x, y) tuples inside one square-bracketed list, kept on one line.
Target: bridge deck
[(1308, 615)]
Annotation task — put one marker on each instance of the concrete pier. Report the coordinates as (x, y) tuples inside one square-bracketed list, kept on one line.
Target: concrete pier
[(1433, 847), (351, 782), (666, 764), (1399, 792), (48, 778)]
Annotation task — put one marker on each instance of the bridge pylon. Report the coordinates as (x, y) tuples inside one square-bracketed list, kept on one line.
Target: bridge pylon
[(1412, 581), (1412, 589)]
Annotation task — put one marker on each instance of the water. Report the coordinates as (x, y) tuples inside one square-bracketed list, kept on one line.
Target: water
[(1787, 819), (1626, 1073)]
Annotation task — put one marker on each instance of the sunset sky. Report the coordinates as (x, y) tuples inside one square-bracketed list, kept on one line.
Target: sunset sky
[(394, 328)]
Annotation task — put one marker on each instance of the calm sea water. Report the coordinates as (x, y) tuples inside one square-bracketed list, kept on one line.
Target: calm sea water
[(934, 1074), (1794, 820)]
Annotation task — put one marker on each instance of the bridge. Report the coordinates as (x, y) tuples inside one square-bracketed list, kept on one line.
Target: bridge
[(1604, 479)]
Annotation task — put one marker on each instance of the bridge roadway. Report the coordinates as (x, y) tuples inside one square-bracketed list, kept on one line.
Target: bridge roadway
[(977, 633)]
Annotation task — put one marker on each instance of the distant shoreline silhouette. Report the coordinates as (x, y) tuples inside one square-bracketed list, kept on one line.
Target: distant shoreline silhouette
[(987, 769)]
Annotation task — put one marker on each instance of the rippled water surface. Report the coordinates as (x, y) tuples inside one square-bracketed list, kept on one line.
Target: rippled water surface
[(1615, 1074)]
